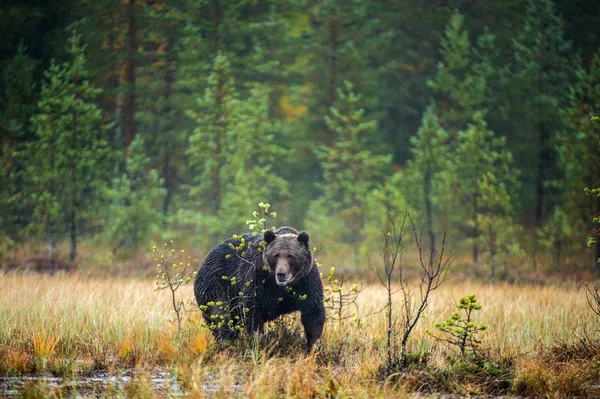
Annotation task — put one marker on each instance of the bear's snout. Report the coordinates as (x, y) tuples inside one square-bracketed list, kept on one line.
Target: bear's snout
[(283, 274)]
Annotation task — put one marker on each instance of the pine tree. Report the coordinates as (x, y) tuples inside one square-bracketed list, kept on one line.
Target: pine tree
[(68, 159), (539, 80), (334, 58), (252, 159), (461, 153), (578, 149), (134, 210), (18, 86), (206, 144), (164, 97), (18, 97), (232, 153), (485, 180), (351, 170), (460, 85), (430, 170)]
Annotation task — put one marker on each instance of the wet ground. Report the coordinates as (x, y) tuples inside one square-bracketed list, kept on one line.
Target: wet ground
[(101, 384)]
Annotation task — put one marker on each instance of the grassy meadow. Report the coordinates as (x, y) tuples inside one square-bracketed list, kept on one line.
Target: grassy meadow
[(542, 341)]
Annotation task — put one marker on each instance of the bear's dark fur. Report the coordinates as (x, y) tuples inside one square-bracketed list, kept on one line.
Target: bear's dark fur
[(252, 279)]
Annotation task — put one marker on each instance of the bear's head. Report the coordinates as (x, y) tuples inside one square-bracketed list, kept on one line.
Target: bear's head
[(287, 255)]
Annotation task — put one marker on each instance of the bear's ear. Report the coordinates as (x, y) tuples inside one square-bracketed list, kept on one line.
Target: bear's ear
[(303, 238), (269, 237)]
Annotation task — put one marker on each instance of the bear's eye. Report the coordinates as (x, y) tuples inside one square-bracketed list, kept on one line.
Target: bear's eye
[(290, 256), (276, 255)]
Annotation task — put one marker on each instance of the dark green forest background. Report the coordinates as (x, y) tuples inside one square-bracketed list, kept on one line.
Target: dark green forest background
[(128, 121)]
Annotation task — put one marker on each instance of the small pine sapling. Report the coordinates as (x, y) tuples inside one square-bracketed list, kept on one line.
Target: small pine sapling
[(459, 329)]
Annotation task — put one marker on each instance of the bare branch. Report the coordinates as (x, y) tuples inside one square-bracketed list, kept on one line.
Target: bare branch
[(593, 299), (432, 265)]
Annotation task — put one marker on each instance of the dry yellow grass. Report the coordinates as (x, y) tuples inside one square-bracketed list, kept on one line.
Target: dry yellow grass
[(118, 322)]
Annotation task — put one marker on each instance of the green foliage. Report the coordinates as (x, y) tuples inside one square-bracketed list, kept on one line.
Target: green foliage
[(430, 173), (538, 82), (261, 217), (19, 97), (17, 103), (272, 117), (595, 192), (460, 82), (334, 39), (459, 329), (133, 213), (233, 151), (463, 170), (69, 159), (351, 170), (390, 195), (495, 219), (579, 153), (485, 180), (222, 312)]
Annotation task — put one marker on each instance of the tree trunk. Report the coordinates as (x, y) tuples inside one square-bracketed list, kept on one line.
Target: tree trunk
[(329, 138), (492, 244), (73, 216), (49, 217), (475, 232), (51, 239), (428, 207), (167, 164), (130, 73), (543, 165), (217, 17), (597, 257), (221, 123), (216, 177)]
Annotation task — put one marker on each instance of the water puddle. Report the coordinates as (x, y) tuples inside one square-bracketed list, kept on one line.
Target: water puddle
[(157, 384)]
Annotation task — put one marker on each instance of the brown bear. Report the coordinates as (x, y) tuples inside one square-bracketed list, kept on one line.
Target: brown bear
[(249, 280)]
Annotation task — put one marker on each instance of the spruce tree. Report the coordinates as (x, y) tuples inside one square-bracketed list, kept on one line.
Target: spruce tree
[(539, 79), (460, 87), (351, 169), (579, 152), (135, 198), (165, 95), (430, 170), (485, 181), (19, 89), (455, 148), (68, 160), (232, 154), (334, 42), (206, 144)]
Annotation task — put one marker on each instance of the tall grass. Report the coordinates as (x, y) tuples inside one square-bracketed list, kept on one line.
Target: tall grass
[(66, 324)]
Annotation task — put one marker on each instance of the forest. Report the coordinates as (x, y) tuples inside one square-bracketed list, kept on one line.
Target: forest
[(443, 156), (128, 121)]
